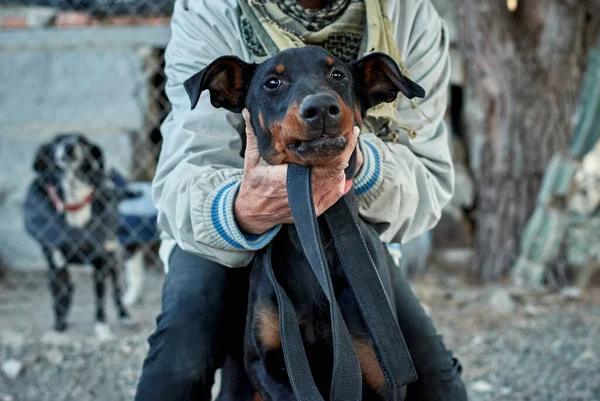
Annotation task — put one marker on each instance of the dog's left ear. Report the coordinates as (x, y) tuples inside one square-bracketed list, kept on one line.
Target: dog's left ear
[(227, 78), (44, 159), (379, 79)]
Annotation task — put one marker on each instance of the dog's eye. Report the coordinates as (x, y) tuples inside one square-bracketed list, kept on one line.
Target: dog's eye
[(337, 75), (273, 83)]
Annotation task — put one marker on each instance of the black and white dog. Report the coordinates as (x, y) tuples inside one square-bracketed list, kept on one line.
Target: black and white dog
[(71, 209)]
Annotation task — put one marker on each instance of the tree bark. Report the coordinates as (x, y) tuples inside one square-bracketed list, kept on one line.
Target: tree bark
[(524, 72)]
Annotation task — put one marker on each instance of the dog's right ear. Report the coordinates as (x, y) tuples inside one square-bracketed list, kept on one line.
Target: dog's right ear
[(44, 160), (227, 78), (379, 80)]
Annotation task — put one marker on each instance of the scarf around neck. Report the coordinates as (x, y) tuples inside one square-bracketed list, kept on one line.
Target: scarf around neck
[(349, 29)]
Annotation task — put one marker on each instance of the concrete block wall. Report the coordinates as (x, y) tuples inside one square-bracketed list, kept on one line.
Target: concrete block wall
[(54, 80), (62, 71)]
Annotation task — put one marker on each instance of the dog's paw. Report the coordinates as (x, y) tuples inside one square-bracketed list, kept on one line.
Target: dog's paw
[(103, 332)]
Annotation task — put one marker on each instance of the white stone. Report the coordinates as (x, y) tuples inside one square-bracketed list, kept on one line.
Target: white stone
[(54, 338), (126, 349), (103, 332), (532, 310), (54, 356), (481, 386), (570, 293), (12, 368), (476, 341), (501, 301)]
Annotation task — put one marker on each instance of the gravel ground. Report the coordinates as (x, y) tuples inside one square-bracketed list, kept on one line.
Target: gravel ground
[(514, 346), (517, 346)]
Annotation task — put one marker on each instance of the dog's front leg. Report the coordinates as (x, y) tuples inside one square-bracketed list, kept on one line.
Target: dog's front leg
[(264, 359), (112, 264), (100, 273), (101, 270), (61, 286)]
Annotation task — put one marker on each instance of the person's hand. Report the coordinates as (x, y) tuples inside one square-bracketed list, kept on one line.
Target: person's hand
[(261, 202)]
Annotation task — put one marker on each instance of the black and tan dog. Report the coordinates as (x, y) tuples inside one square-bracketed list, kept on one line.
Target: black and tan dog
[(71, 210), (303, 104)]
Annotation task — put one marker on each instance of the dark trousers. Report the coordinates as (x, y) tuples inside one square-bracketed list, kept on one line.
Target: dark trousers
[(202, 314)]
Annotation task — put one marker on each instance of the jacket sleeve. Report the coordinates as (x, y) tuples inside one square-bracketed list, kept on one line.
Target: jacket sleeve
[(403, 187), (199, 169)]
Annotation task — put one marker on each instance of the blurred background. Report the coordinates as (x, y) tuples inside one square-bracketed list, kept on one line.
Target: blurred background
[(510, 274)]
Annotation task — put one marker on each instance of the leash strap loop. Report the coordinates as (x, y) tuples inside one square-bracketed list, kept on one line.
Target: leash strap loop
[(294, 354), (363, 278), (346, 381), (376, 310)]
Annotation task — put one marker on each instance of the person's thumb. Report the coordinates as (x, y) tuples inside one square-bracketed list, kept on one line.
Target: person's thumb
[(251, 156)]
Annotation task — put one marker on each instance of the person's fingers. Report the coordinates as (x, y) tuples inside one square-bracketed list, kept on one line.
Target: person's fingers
[(277, 176), (325, 196), (329, 182), (338, 162), (251, 156), (351, 145)]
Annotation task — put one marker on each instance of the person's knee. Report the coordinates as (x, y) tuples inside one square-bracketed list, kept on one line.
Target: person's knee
[(181, 353), (186, 347)]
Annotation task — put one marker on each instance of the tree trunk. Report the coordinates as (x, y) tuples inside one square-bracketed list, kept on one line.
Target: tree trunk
[(524, 72)]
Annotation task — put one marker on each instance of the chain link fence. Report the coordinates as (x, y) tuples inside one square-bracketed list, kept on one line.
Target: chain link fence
[(103, 8), (82, 102), (83, 99)]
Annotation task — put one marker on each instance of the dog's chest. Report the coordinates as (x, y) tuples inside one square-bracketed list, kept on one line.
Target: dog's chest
[(76, 192), (302, 286)]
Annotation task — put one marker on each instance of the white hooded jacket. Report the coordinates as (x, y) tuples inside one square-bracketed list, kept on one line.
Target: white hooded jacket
[(401, 188)]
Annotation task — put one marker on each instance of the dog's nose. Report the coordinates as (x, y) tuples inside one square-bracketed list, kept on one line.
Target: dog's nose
[(321, 109), (69, 150)]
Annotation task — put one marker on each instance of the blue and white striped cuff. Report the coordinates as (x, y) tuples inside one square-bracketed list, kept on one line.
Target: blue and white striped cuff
[(370, 172), (223, 220)]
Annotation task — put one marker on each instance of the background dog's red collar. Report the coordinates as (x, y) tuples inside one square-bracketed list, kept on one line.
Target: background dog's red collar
[(61, 206)]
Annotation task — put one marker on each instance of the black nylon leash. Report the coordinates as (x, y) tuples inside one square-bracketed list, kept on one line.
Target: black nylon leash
[(346, 381), (376, 310), (363, 278)]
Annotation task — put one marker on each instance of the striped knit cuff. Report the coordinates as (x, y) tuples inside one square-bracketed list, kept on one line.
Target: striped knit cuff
[(223, 220), (369, 176)]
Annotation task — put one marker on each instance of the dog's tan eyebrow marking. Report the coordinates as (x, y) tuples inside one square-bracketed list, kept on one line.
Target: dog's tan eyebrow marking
[(329, 61), (280, 69)]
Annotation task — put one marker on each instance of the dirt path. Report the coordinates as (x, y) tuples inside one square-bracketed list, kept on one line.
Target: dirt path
[(542, 348)]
